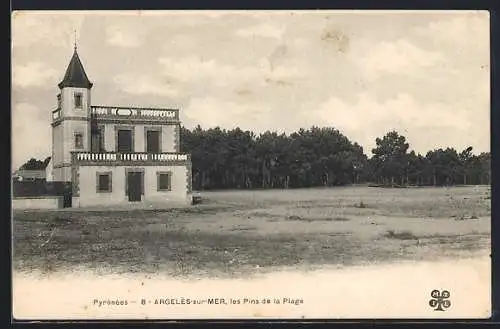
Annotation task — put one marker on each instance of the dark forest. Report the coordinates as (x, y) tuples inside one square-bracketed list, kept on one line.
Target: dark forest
[(237, 159)]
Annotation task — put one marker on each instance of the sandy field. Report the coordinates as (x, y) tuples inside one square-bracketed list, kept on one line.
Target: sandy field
[(351, 252)]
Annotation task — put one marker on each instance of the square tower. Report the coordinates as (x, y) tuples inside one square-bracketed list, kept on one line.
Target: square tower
[(71, 118)]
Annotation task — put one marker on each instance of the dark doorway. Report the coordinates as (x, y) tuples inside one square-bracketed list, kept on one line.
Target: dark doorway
[(124, 141), (153, 141), (67, 196), (134, 183)]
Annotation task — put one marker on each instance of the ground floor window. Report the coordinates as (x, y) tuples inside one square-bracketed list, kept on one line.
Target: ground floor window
[(104, 182), (164, 180)]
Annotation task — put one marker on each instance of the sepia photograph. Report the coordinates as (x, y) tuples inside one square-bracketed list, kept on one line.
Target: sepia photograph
[(318, 164)]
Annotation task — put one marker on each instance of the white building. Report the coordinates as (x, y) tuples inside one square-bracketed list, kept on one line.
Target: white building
[(116, 155)]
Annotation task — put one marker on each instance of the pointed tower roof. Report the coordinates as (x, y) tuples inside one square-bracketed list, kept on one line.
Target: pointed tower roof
[(75, 75)]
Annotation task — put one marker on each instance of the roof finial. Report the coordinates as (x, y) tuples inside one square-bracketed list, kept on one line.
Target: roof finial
[(75, 39)]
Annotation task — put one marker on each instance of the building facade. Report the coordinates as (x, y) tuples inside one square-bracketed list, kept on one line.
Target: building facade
[(34, 170), (116, 155), (30, 174)]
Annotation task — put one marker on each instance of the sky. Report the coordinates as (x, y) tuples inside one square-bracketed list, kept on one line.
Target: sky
[(425, 74)]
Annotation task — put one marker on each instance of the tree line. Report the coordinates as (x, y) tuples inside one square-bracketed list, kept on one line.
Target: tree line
[(34, 164), (235, 159)]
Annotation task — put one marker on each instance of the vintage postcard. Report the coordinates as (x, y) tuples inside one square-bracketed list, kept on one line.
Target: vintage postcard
[(251, 165)]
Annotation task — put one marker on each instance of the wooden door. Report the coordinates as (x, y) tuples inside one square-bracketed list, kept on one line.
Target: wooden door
[(134, 182), (153, 141), (124, 141)]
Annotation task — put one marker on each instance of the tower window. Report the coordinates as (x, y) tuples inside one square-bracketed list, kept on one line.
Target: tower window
[(78, 100), (59, 101), (78, 141)]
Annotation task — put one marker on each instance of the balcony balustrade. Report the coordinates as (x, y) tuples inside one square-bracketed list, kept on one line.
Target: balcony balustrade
[(134, 113), (128, 113), (126, 158)]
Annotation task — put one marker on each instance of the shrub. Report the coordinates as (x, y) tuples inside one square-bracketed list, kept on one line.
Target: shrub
[(405, 235), (360, 205)]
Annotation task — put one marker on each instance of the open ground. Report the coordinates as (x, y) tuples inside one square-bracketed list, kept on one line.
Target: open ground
[(239, 233)]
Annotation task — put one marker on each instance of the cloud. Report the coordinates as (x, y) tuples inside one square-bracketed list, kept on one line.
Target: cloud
[(212, 111), (30, 134), (366, 118), (144, 85), (402, 110), (196, 69), (120, 37), (264, 30), (45, 28), (34, 74), (399, 57), (193, 68), (467, 30)]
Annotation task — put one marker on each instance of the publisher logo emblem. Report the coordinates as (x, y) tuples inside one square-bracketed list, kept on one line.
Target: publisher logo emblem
[(440, 300)]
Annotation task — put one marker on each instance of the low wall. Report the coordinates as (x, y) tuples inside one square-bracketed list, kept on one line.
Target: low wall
[(77, 202), (42, 202), (39, 188)]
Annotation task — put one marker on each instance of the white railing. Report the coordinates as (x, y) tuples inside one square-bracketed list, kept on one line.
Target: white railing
[(134, 112), (137, 156), (97, 156)]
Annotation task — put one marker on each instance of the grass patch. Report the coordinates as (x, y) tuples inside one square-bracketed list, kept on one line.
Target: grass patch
[(125, 245), (404, 235), (263, 215), (295, 217), (317, 219), (360, 205), (464, 217), (340, 219), (129, 213), (188, 241), (243, 229)]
